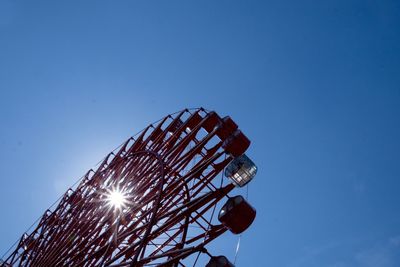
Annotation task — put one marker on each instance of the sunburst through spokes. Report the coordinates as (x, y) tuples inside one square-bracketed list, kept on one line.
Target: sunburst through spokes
[(116, 198)]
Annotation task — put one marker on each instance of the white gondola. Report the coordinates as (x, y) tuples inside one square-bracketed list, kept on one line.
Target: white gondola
[(241, 170)]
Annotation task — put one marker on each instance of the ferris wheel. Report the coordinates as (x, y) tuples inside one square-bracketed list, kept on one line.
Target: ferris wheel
[(152, 201)]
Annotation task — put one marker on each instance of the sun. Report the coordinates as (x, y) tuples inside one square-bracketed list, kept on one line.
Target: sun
[(116, 199)]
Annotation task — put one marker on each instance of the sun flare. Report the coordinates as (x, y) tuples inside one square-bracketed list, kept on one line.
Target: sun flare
[(116, 199)]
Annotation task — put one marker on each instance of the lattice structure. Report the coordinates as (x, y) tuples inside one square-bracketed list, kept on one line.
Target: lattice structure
[(168, 178)]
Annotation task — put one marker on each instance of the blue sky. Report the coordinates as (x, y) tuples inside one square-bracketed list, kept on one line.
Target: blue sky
[(314, 84)]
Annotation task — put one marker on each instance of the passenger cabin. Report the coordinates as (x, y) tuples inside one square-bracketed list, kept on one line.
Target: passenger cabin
[(237, 214), (241, 170), (219, 261)]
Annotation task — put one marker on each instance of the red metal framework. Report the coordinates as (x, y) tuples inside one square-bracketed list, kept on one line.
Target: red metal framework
[(167, 176)]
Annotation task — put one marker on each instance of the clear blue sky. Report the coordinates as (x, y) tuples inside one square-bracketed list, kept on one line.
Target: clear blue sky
[(314, 84)]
